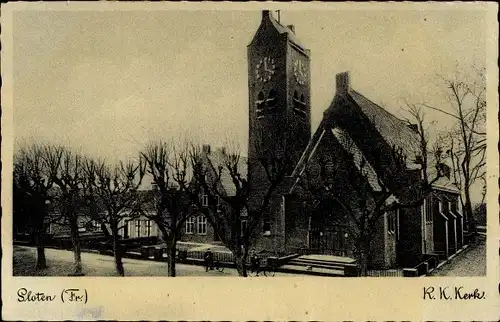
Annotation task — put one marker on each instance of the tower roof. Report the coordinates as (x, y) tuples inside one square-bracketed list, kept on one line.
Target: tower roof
[(267, 18)]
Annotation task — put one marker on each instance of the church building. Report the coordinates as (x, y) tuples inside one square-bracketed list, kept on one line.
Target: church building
[(352, 150)]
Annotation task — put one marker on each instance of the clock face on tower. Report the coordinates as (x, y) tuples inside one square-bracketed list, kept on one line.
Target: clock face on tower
[(300, 72), (265, 69)]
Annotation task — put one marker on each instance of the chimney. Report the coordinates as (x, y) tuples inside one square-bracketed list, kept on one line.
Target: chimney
[(206, 148), (266, 14), (292, 28), (343, 83)]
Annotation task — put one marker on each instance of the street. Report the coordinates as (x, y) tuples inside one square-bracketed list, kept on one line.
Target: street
[(60, 264), (472, 262)]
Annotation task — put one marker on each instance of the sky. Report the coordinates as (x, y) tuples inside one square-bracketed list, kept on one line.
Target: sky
[(107, 82)]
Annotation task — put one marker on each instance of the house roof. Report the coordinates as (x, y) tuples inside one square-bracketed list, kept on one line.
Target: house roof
[(216, 159), (395, 131), (348, 144)]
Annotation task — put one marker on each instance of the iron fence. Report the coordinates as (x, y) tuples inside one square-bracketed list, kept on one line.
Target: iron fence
[(222, 257), (386, 273)]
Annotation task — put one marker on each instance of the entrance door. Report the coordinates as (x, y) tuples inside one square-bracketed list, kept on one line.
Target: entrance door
[(334, 241), (327, 240)]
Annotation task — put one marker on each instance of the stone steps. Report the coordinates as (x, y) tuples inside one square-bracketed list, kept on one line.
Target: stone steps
[(290, 268)]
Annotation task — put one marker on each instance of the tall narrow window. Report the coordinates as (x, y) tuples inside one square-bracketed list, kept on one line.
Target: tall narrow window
[(202, 225), (244, 225), (138, 228), (190, 225), (260, 103), (299, 105), (391, 222), (266, 227), (204, 201), (148, 228), (271, 100)]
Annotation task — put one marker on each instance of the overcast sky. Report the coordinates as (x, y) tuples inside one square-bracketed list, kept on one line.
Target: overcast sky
[(109, 81)]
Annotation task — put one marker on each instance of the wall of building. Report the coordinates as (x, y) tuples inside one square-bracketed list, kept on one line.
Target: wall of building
[(198, 235), (409, 247)]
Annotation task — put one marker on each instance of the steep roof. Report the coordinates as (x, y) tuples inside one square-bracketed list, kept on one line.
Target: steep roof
[(216, 158), (268, 20), (395, 131), (285, 30)]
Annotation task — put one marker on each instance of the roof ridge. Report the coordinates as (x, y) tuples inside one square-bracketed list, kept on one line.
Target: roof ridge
[(377, 105)]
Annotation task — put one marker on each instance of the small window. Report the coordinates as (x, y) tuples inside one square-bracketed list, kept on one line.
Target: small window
[(190, 225), (271, 99), (217, 200), (138, 228), (244, 226), (329, 168), (391, 222), (148, 228), (204, 201), (260, 105), (202, 225), (299, 105), (266, 227)]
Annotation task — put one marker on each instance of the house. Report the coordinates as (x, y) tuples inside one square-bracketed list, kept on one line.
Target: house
[(129, 227), (353, 140), (198, 227)]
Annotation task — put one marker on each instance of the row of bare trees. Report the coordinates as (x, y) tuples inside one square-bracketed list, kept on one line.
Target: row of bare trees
[(77, 187), (56, 185)]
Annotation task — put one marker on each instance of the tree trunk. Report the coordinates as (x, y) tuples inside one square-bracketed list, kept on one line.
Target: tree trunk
[(363, 252), (363, 263), (41, 262), (118, 253), (469, 213), (171, 250), (75, 238), (241, 264)]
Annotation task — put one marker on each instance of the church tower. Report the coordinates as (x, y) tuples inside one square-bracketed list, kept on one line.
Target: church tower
[(279, 96)]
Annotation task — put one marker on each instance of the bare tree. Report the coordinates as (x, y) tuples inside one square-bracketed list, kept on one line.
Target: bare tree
[(115, 188), (226, 218), (66, 171), (466, 96), (32, 184), (169, 165)]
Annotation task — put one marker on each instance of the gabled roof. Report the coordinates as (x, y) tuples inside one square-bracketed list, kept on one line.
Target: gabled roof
[(395, 131), (216, 159)]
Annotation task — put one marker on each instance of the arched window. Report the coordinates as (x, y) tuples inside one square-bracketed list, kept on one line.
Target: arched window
[(299, 105), (260, 105), (271, 100)]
